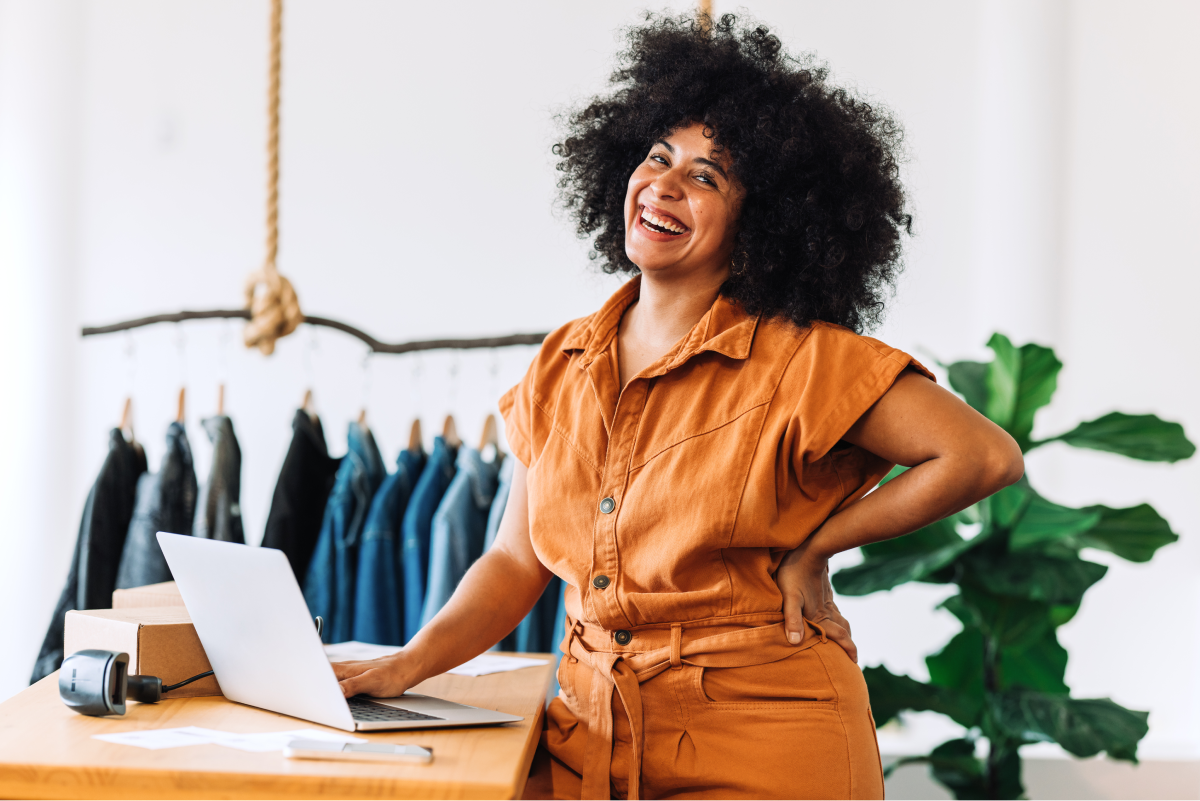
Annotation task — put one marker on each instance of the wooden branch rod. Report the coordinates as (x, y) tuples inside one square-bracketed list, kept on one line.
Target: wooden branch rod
[(374, 344)]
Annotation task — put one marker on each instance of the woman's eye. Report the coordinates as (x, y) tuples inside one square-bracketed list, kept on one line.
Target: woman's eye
[(706, 180), (658, 158)]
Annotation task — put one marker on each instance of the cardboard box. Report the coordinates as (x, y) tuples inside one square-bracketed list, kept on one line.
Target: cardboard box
[(160, 641), (165, 594)]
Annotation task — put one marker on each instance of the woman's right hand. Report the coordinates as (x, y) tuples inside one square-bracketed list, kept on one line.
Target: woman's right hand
[(385, 677)]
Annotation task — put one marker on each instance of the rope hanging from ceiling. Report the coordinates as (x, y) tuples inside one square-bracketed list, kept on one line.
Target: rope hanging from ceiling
[(272, 308)]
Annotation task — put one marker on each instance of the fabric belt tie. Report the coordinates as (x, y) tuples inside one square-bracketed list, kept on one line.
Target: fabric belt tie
[(625, 672)]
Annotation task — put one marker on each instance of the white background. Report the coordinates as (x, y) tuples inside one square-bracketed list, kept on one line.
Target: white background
[(1053, 173)]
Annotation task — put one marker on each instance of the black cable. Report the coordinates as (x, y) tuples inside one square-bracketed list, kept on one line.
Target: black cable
[(197, 677)]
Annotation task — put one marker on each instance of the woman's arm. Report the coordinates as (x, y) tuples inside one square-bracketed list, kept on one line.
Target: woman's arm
[(495, 594), (957, 457)]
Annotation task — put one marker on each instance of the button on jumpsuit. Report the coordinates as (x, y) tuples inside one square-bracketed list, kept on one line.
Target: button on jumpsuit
[(667, 507)]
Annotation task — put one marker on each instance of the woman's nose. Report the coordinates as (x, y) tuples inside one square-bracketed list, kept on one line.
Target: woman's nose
[(667, 186)]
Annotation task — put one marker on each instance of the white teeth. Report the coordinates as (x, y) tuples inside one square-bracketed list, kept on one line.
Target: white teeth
[(661, 223)]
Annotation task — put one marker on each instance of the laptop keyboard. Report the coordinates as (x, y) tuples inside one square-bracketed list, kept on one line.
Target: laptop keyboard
[(371, 712)]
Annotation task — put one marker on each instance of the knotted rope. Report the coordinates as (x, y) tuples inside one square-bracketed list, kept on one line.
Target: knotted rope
[(274, 308)]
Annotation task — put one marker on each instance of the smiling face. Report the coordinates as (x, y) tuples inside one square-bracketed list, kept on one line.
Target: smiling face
[(682, 205)]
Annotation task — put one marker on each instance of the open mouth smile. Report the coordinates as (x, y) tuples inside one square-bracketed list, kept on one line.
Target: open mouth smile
[(661, 223)]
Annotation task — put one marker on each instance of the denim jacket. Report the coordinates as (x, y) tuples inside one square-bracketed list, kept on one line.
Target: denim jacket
[(219, 510), (379, 608), (102, 531), (496, 513), (459, 527), (418, 520), (298, 505), (329, 588), (537, 631), (166, 501)]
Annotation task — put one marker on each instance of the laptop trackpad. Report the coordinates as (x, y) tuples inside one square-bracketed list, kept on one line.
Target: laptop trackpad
[(423, 703)]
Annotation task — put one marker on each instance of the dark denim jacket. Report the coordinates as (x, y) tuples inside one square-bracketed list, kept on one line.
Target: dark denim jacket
[(219, 510), (166, 501), (102, 530), (329, 587), (418, 520), (459, 526), (298, 505), (379, 608)]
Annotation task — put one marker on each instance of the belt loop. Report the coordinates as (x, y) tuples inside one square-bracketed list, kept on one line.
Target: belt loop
[(676, 646), (574, 632)]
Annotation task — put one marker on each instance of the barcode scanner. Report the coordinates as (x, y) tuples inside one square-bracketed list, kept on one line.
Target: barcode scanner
[(97, 683)]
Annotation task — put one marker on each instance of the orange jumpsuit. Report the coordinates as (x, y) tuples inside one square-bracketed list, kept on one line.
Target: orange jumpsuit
[(667, 506)]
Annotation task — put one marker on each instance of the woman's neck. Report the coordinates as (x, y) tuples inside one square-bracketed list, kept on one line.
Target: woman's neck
[(664, 313)]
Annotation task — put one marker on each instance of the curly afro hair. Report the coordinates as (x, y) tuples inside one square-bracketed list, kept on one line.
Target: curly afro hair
[(819, 230)]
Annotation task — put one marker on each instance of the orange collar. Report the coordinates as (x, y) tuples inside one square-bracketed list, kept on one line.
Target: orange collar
[(725, 328)]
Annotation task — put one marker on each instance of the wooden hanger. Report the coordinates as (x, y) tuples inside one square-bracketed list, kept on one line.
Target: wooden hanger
[(307, 405), (126, 426), (415, 439), (220, 399), (489, 435), (450, 432), (362, 418), (179, 415)]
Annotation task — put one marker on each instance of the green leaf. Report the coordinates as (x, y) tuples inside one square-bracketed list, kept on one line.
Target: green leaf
[(1019, 382), (1044, 521), (1035, 577), (891, 694), (1138, 436), (922, 541), (969, 380), (1002, 379), (1006, 506), (1134, 533), (1010, 622), (881, 573), (1037, 665), (959, 666), (955, 766), (1084, 727)]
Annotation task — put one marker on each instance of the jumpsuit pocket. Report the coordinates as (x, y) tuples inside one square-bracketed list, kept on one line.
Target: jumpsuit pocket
[(566, 680), (799, 680)]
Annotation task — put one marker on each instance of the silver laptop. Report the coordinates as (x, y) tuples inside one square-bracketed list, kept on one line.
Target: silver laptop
[(264, 648)]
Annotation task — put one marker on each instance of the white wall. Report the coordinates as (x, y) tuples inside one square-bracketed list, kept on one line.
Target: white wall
[(416, 202)]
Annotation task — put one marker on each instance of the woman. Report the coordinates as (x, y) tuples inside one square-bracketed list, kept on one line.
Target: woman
[(692, 454)]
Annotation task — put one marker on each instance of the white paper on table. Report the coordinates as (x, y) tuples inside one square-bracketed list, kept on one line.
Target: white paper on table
[(354, 651), (482, 665), (155, 739), (485, 664)]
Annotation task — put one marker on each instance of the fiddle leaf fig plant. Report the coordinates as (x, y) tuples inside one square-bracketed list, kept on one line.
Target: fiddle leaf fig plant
[(1017, 561)]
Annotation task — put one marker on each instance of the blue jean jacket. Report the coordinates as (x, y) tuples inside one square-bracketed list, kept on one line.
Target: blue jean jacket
[(418, 522), (459, 527), (499, 502), (329, 587), (379, 608), (537, 632)]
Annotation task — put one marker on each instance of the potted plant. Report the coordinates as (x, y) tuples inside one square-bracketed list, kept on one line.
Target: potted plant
[(1016, 560)]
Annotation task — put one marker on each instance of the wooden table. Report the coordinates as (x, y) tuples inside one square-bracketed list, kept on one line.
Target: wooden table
[(47, 751)]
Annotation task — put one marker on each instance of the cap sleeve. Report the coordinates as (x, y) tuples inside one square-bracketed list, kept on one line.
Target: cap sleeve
[(516, 407), (847, 375)]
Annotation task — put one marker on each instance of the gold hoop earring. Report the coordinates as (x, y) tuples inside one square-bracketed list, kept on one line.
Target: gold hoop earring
[(739, 263)]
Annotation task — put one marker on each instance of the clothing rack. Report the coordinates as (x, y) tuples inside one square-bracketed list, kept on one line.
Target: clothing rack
[(374, 344)]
